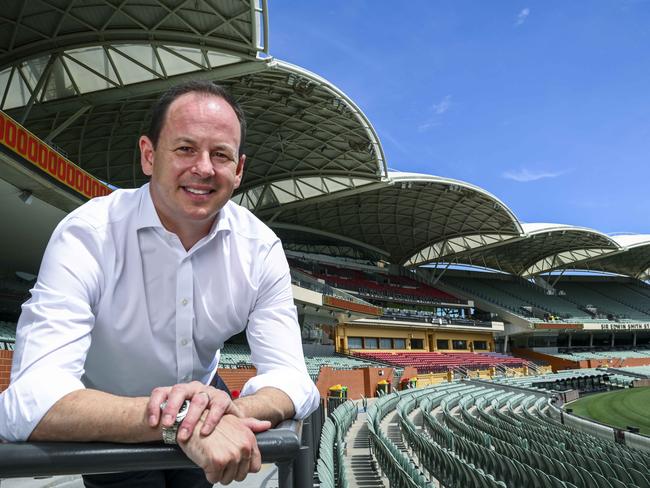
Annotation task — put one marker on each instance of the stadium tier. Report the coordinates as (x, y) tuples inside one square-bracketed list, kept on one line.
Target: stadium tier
[(585, 300), (485, 435), (7, 335), (436, 362), (239, 356), (607, 300), (375, 285), (580, 356), (518, 296)]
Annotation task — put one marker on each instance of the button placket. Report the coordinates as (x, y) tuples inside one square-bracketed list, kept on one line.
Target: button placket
[(184, 320)]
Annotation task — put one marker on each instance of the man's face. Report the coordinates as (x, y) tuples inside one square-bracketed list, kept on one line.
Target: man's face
[(196, 166)]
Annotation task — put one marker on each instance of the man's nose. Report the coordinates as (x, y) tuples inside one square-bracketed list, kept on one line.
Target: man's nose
[(203, 165)]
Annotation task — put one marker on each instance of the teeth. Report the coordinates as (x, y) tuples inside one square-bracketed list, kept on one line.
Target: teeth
[(197, 192)]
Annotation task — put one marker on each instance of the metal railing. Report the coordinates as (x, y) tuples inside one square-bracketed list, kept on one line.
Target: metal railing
[(290, 445)]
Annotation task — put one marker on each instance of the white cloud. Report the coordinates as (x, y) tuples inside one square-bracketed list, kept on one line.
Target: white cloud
[(438, 110), (443, 106), (525, 175), (522, 16)]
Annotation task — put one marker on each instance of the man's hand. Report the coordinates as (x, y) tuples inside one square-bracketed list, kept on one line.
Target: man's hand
[(202, 398), (230, 452)]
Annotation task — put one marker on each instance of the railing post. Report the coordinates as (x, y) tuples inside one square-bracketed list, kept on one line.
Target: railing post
[(303, 469), (285, 474)]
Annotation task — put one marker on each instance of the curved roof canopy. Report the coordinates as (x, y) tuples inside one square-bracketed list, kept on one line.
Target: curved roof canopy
[(542, 248), (400, 217), (83, 76), (632, 260), (35, 27)]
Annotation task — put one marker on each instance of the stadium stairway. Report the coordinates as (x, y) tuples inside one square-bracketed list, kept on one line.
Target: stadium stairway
[(359, 464)]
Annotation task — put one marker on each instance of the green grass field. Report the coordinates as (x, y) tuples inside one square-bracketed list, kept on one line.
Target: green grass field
[(617, 408)]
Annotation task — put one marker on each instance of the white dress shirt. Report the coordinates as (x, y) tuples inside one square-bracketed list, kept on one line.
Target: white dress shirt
[(121, 307)]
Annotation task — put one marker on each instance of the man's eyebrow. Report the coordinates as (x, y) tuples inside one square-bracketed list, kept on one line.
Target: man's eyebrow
[(183, 139)]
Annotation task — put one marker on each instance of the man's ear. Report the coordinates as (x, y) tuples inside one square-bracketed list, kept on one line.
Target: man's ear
[(146, 155), (239, 171)]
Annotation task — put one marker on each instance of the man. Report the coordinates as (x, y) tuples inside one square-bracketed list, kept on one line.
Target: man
[(137, 293)]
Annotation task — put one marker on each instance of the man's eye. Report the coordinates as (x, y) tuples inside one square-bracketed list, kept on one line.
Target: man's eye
[(184, 149), (221, 156)]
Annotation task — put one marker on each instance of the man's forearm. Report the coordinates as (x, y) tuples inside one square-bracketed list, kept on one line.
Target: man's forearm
[(91, 415), (267, 404)]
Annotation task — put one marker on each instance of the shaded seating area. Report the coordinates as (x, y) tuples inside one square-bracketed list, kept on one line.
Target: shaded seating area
[(375, 285), (7, 335)]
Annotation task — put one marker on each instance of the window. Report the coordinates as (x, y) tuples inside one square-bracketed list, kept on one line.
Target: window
[(354, 343), (370, 343), (399, 344), (458, 344), (417, 344), (442, 343), (480, 345), (385, 344)]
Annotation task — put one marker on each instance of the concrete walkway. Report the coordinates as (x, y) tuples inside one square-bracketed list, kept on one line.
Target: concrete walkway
[(359, 465)]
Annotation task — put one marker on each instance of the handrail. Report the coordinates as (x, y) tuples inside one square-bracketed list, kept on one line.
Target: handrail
[(280, 445)]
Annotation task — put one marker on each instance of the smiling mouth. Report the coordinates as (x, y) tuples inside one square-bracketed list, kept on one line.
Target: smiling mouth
[(196, 191)]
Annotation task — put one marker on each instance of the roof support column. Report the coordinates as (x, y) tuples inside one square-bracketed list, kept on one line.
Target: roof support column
[(437, 278), (558, 278), (37, 89), (66, 123)]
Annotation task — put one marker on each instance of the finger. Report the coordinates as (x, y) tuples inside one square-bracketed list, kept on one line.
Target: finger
[(255, 463), (198, 404), (219, 406), (158, 395), (256, 425), (177, 395), (229, 472), (243, 468)]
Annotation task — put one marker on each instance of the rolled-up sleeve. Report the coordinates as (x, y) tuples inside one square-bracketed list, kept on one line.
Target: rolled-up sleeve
[(53, 333), (274, 338)]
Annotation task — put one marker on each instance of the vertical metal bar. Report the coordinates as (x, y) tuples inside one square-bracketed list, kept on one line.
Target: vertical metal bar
[(303, 468), (285, 474)]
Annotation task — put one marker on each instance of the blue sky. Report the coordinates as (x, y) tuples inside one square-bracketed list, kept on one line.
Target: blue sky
[(545, 104)]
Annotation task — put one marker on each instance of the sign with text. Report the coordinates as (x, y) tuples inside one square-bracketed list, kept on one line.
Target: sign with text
[(29, 148), (614, 326)]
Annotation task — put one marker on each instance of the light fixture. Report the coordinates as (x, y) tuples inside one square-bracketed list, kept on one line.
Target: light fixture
[(26, 197)]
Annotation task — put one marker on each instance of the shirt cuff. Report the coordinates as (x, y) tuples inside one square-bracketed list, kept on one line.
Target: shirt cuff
[(30, 397), (299, 388)]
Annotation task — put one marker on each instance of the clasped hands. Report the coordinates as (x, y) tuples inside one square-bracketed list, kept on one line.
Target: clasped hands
[(215, 434)]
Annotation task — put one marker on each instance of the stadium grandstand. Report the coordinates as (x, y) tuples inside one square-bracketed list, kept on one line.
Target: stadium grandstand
[(424, 295)]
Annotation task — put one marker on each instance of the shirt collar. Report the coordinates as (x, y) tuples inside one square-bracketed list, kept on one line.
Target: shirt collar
[(148, 217)]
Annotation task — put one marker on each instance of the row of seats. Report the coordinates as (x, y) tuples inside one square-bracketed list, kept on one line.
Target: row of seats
[(574, 300), (331, 451), (584, 355), (437, 362), (615, 379), (478, 434), (7, 331), (374, 284), (239, 355)]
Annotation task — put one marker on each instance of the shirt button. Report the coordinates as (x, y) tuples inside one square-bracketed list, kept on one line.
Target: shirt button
[(184, 301), (184, 342)]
